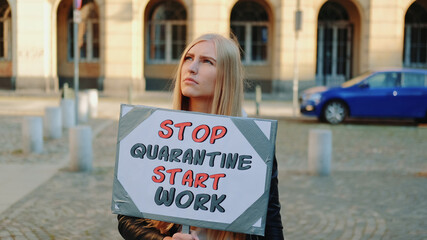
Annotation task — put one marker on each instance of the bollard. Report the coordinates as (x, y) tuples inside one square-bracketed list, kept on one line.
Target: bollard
[(32, 135), (320, 152), (80, 145), (258, 98), (130, 94), (83, 107), (93, 102), (68, 113), (67, 92), (53, 121)]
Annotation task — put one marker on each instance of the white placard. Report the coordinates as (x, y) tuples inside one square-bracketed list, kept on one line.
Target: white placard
[(194, 169)]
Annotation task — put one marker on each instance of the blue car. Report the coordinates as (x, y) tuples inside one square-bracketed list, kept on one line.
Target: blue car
[(398, 93)]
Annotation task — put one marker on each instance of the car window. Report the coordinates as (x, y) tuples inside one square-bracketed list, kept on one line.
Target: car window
[(356, 80), (414, 80), (382, 80)]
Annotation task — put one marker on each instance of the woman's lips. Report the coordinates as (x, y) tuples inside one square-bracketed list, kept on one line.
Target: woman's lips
[(190, 80)]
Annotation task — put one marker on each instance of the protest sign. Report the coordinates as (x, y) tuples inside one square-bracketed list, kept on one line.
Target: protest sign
[(194, 169)]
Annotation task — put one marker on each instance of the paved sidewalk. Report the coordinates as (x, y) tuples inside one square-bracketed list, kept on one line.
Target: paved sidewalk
[(17, 180), (377, 188)]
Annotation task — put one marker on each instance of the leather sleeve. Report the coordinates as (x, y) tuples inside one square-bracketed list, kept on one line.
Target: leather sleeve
[(273, 226), (132, 228)]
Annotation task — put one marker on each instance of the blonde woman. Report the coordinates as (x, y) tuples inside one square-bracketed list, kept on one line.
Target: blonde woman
[(209, 79)]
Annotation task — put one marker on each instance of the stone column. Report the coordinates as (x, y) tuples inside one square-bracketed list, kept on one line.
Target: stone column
[(33, 44)]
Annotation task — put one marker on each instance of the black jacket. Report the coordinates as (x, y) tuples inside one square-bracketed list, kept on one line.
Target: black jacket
[(132, 228)]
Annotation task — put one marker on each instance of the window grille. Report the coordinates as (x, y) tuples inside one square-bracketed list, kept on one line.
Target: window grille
[(249, 23), (88, 35), (167, 32)]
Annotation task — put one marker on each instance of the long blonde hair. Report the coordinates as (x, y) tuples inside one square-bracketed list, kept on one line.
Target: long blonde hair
[(228, 95)]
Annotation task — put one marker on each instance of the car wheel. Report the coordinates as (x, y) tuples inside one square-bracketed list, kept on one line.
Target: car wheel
[(334, 112)]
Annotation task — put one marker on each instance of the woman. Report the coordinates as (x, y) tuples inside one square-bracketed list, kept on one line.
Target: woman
[(209, 80)]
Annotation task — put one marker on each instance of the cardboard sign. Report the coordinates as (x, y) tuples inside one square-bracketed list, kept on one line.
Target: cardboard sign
[(194, 169)]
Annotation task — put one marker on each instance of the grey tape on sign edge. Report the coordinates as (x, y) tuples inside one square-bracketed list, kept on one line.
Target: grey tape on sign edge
[(256, 137), (132, 119), (125, 204), (202, 224), (127, 124), (264, 148), (244, 223)]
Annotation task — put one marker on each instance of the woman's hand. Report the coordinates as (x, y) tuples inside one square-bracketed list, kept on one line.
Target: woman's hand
[(183, 236)]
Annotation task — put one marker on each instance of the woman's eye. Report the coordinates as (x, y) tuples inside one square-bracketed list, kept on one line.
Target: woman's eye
[(208, 61), (188, 58)]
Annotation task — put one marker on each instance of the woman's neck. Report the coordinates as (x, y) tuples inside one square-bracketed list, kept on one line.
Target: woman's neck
[(203, 105)]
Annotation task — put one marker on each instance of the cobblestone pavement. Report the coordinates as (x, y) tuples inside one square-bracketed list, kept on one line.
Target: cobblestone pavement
[(377, 188), (71, 205)]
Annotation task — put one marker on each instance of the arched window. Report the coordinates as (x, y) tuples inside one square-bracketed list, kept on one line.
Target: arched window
[(334, 45), (332, 11), (415, 48), (88, 35), (167, 32), (249, 23), (5, 30)]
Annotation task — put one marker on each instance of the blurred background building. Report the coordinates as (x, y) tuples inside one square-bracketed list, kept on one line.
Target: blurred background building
[(137, 43)]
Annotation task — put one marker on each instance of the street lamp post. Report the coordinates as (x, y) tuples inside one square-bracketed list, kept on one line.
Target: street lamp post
[(76, 20), (298, 27)]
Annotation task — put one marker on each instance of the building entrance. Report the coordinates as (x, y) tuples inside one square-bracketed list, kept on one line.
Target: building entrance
[(334, 45)]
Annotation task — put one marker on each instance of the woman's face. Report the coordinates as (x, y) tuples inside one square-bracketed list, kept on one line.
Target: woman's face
[(198, 72)]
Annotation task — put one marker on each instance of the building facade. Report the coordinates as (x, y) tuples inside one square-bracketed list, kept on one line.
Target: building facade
[(137, 43)]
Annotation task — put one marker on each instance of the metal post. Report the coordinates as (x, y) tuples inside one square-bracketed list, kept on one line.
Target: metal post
[(320, 52), (258, 98), (295, 81), (298, 26), (407, 60), (76, 20), (130, 94)]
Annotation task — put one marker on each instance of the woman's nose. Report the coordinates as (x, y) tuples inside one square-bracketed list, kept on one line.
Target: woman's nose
[(194, 67)]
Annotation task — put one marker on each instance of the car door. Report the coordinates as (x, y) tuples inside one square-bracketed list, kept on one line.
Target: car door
[(412, 95), (375, 96)]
